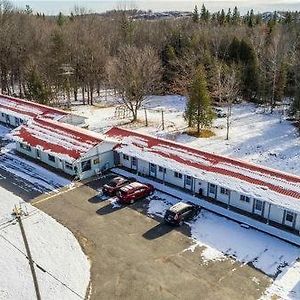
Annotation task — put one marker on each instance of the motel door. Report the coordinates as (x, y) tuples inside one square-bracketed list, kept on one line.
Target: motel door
[(258, 207), (38, 154), (188, 182), (153, 170)]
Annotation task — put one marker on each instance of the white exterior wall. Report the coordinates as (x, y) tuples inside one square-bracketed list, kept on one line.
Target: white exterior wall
[(236, 202), (222, 197), (173, 180), (11, 120), (276, 214)]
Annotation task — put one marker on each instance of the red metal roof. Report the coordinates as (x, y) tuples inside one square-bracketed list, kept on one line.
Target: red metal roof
[(250, 173), (28, 108), (63, 140)]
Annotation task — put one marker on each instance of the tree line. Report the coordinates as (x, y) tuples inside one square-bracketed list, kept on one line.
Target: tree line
[(222, 56)]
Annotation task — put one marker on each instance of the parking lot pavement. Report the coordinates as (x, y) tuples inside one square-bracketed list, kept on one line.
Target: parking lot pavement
[(135, 257)]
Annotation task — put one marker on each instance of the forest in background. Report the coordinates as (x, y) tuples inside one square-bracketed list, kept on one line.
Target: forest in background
[(229, 56)]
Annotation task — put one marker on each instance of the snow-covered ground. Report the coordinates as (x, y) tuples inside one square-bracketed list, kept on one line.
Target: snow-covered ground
[(224, 239), (255, 136), (53, 247)]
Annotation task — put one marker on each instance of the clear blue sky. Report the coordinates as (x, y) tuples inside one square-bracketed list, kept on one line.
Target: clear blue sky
[(66, 6)]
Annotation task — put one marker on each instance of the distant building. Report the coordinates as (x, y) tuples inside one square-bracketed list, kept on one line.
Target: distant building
[(16, 111)]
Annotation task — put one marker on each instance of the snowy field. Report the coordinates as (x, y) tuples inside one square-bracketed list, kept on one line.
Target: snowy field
[(255, 136), (53, 247)]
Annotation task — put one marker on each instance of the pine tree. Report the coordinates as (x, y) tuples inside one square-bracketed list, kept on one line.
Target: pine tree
[(205, 15), (234, 50), (295, 108), (228, 16), (199, 112), (250, 73), (222, 17), (36, 89), (251, 19), (61, 19), (195, 15), (236, 16), (281, 82)]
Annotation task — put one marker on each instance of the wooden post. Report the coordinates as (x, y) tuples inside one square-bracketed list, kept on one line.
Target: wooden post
[(162, 120), (146, 118), (18, 213)]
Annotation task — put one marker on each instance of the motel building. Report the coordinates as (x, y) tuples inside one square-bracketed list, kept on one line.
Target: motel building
[(15, 111), (73, 150), (264, 196)]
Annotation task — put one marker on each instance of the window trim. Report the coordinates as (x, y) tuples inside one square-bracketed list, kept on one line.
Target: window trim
[(245, 198)]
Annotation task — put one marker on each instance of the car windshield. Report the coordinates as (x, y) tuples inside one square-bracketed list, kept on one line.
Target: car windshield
[(113, 183)]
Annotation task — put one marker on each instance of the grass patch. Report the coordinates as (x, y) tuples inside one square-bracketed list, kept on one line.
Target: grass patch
[(204, 133)]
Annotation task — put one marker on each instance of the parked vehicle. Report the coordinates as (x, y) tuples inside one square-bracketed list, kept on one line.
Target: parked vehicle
[(115, 184), (220, 112), (134, 191), (181, 212)]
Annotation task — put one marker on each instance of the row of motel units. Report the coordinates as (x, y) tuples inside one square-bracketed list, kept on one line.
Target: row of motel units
[(257, 191), (16, 111)]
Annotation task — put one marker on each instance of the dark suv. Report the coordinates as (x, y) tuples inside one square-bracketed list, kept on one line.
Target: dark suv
[(181, 212), (112, 187)]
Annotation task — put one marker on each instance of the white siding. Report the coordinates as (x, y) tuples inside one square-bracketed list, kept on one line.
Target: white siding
[(276, 214), (222, 197), (236, 202)]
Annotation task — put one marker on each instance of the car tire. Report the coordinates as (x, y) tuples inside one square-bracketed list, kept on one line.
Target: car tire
[(131, 201)]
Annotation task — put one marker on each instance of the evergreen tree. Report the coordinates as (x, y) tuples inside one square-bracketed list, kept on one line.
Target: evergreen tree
[(250, 72), (228, 16), (236, 16), (295, 108), (281, 82), (205, 15), (195, 15), (234, 50), (36, 89), (251, 19), (199, 112), (222, 17), (60, 19)]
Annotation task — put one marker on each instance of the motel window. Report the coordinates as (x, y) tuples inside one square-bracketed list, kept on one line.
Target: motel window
[(51, 158), (244, 198), (289, 217), (188, 180), (68, 166), (162, 170), (212, 188), (25, 147), (86, 165), (96, 161), (224, 191), (125, 157), (177, 175), (134, 161)]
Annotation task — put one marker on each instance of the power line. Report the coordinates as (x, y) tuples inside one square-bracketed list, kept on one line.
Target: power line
[(42, 268)]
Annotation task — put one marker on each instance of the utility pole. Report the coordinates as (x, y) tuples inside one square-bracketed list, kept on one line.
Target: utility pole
[(18, 212), (162, 120)]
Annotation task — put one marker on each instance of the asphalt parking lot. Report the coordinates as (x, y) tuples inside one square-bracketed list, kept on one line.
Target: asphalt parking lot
[(134, 256)]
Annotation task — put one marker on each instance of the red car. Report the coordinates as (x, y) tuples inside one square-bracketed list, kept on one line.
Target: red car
[(134, 191), (115, 184)]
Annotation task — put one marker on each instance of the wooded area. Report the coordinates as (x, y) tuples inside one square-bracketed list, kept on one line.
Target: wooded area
[(48, 58)]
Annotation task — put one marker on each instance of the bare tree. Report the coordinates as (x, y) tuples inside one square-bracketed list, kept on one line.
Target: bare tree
[(226, 89), (134, 74)]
